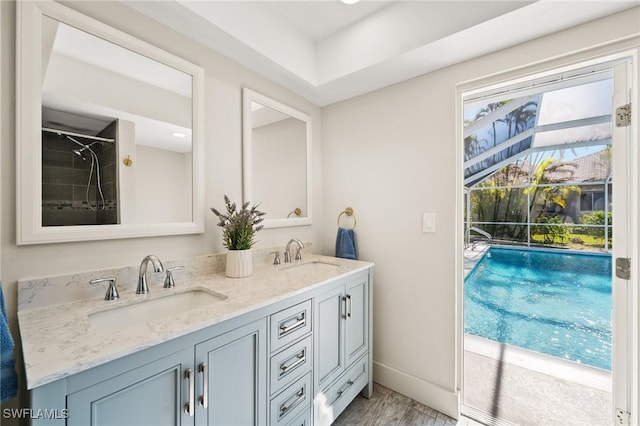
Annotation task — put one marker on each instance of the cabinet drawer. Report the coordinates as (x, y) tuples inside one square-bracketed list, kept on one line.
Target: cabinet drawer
[(291, 402), (290, 324), (291, 363), (339, 394), (304, 419)]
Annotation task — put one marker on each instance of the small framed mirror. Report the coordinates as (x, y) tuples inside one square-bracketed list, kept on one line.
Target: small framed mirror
[(276, 160), (109, 132)]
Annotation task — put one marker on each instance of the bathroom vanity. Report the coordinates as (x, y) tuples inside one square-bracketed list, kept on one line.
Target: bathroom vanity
[(290, 345)]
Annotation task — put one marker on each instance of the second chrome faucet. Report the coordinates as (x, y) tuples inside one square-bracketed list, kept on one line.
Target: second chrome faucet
[(287, 251), (142, 274)]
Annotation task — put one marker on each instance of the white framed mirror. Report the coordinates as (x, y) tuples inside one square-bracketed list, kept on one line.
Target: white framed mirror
[(109, 132), (276, 160)]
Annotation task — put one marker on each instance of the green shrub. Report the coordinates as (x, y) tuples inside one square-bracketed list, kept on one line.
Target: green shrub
[(552, 229), (595, 218)]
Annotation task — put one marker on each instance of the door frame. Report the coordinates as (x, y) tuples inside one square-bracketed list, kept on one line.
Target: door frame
[(625, 392)]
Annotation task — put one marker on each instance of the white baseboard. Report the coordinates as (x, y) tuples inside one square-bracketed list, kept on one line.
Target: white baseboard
[(426, 393)]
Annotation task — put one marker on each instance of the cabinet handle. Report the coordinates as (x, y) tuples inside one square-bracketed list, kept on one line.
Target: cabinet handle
[(344, 388), (349, 302), (300, 322), (300, 359), (188, 407), (202, 368), (284, 408), (344, 311)]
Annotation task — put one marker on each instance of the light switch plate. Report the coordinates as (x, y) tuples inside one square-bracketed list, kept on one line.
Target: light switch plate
[(428, 222)]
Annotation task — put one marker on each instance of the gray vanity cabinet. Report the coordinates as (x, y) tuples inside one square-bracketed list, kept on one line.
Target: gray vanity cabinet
[(328, 309), (152, 394), (357, 321), (291, 364), (342, 328), (220, 381), (342, 355), (298, 361), (232, 378)]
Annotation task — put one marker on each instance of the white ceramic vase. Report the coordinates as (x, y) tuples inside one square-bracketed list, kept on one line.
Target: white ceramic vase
[(239, 263)]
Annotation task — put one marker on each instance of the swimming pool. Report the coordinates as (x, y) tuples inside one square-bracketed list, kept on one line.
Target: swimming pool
[(552, 302)]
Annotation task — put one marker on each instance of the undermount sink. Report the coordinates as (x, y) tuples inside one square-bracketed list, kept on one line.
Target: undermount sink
[(312, 266), (151, 310)]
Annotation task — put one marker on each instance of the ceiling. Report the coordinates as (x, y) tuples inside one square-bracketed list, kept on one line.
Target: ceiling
[(72, 102), (327, 51)]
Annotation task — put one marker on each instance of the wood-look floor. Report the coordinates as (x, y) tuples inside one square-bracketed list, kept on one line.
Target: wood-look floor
[(387, 407)]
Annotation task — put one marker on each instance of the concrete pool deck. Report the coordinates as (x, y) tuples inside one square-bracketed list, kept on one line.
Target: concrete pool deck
[(516, 394), (540, 363), (473, 255), (507, 385)]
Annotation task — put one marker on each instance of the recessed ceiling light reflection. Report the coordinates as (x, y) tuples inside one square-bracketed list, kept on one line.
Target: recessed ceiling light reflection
[(349, 1), (178, 135)]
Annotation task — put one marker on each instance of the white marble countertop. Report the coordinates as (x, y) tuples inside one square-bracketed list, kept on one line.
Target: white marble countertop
[(60, 339)]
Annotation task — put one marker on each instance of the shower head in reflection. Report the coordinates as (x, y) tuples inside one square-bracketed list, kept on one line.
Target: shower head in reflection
[(83, 147), (95, 165), (78, 152)]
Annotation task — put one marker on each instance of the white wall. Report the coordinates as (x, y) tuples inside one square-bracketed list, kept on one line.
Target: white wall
[(161, 177), (391, 155), (223, 153), (3, 99), (279, 153)]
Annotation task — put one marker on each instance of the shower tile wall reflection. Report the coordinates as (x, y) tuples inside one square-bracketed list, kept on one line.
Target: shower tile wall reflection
[(65, 177)]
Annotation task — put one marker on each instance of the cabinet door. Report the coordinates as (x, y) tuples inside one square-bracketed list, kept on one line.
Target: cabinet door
[(231, 381), (357, 321), (153, 394), (329, 355)]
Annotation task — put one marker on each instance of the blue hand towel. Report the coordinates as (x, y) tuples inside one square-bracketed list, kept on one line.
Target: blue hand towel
[(8, 376), (346, 244)]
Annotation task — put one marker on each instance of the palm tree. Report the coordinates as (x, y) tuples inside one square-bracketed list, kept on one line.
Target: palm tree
[(552, 194), (470, 143), (488, 110), (519, 120)]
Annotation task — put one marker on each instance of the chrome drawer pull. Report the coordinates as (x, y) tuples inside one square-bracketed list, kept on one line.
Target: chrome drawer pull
[(349, 302), (300, 359), (299, 397), (344, 312), (300, 322), (202, 368), (344, 388), (188, 407)]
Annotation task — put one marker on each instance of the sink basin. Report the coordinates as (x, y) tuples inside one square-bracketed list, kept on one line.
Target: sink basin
[(152, 310), (310, 267)]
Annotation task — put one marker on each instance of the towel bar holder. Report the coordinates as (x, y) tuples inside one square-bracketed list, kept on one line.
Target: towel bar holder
[(349, 212)]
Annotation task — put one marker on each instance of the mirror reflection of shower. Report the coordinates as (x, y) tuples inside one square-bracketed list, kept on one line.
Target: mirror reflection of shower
[(79, 169), (94, 161)]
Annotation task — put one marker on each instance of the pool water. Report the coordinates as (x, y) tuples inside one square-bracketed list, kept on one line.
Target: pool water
[(551, 302)]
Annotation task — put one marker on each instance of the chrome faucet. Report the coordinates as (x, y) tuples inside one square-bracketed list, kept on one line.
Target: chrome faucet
[(142, 275), (287, 252)]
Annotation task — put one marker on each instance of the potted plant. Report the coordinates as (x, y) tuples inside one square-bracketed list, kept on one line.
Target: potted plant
[(238, 236)]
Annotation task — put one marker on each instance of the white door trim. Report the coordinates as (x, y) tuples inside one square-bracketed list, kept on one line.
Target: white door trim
[(623, 197)]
